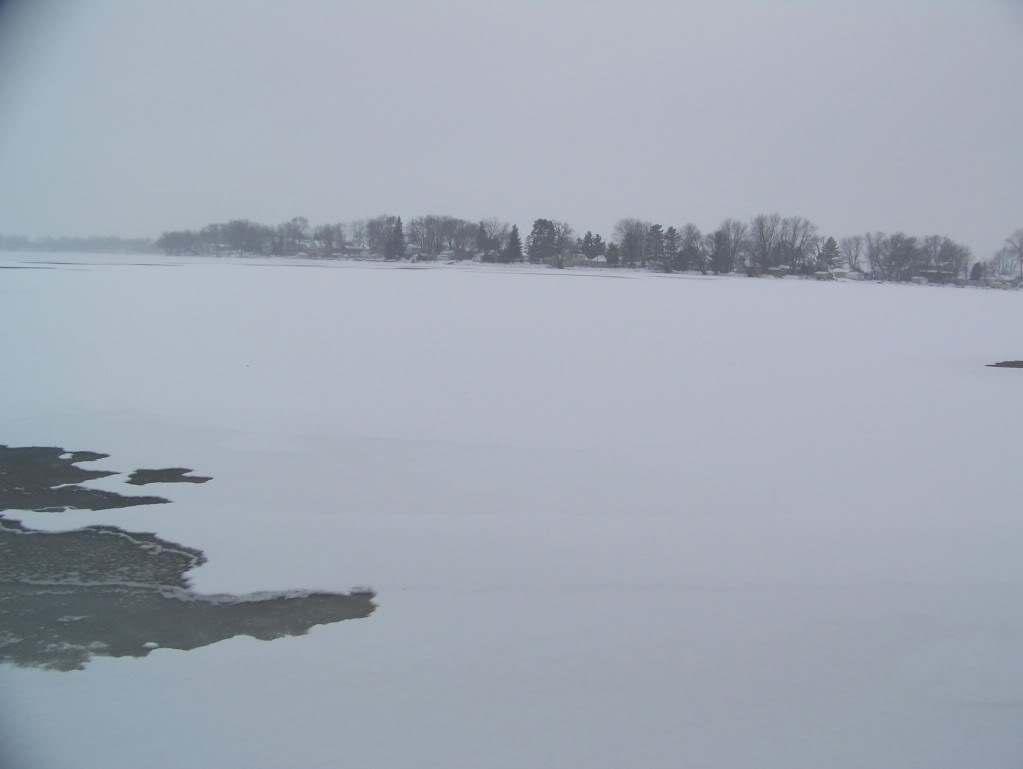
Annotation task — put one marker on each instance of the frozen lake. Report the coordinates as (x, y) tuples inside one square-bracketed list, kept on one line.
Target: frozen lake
[(612, 519)]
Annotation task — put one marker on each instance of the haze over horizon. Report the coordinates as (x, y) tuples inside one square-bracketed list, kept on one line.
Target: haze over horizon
[(133, 119)]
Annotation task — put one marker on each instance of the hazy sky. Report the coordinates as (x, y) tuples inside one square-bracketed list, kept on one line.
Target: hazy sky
[(129, 117)]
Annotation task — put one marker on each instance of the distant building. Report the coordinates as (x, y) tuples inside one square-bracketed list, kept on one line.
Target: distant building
[(936, 275)]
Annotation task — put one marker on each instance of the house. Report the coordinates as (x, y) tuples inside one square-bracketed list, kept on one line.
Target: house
[(824, 275), (936, 274)]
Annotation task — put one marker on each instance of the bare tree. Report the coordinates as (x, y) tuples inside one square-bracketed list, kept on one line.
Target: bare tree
[(691, 251), (876, 244), (942, 259), (491, 237), (902, 257), (465, 234), (631, 236), (960, 260), (765, 243), (738, 240), (430, 234), (379, 231), (358, 233), (237, 234), (852, 251), (292, 236), (1012, 251), (564, 242), (798, 241), (323, 236), (213, 238), (330, 238), (929, 254)]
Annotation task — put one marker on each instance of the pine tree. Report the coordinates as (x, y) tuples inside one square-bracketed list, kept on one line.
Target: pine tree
[(672, 243), (829, 255), (513, 248), (585, 245), (720, 254), (612, 255), (654, 248), (483, 242), (395, 247), (542, 241), (631, 248), (589, 245)]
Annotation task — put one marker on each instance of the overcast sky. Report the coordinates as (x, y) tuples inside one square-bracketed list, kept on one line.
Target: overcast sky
[(128, 117)]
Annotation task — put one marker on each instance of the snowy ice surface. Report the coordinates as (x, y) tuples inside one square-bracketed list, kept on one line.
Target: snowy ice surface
[(629, 521)]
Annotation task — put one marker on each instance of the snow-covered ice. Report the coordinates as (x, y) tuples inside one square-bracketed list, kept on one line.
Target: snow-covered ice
[(612, 519)]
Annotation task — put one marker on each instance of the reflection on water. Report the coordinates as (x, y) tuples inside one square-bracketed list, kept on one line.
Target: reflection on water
[(68, 596)]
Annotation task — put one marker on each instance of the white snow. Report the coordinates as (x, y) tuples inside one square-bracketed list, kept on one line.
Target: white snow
[(634, 521)]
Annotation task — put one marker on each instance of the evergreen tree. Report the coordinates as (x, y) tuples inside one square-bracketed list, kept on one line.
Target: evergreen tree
[(672, 245), (395, 247), (542, 241), (584, 245), (589, 245), (513, 248), (829, 255), (720, 254), (654, 247), (612, 255), (691, 244), (631, 248), (483, 242)]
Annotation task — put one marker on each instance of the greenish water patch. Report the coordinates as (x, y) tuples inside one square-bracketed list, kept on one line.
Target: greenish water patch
[(66, 597), (69, 596), (45, 479), (166, 475)]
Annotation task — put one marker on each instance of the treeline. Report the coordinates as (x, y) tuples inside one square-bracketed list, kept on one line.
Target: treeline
[(90, 244), (765, 244)]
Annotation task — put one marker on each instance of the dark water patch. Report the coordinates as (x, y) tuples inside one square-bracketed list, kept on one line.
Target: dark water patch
[(45, 479), (1007, 364), (572, 274), (22, 267), (327, 263), (94, 554), (166, 475), (66, 597)]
